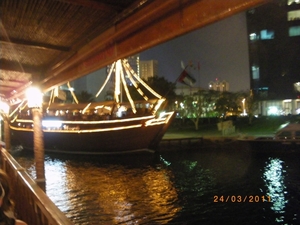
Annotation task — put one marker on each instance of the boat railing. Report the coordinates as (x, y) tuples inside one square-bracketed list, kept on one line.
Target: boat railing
[(31, 203)]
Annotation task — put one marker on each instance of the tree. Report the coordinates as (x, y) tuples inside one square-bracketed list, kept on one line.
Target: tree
[(193, 107), (84, 97), (227, 104), (162, 87), (252, 105), (159, 84), (209, 100)]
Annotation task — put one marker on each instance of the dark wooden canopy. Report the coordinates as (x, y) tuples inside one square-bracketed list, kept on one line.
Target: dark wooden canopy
[(51, 42)]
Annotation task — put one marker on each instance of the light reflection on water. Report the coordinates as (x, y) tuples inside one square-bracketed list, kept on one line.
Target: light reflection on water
[(121, 195), (173, 188), (113, 194), (274, 178)]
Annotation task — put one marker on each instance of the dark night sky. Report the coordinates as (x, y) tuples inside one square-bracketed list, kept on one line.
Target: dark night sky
[(221, 49)]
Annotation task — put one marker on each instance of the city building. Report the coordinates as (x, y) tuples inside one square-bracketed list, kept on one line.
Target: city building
[(186, 90), (134, 62), (274, 49), (218, 85), (148, 69), (278, 107)]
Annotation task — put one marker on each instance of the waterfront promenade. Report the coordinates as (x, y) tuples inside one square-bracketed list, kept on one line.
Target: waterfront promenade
[(207, 135), (211, 132)]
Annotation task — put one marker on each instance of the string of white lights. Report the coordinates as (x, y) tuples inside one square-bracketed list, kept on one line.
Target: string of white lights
[(127, 92), (126, 64), (72, 92), (135, 84), (106, 80)]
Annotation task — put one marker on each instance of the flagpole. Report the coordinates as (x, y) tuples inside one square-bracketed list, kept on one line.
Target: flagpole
[(175, 82), (187, 75), (165, 95)]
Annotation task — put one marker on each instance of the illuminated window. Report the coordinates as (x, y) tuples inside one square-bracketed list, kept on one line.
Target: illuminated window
[(294, 15), (294, 31), (273, 110), (266, 34), (253, 36), (255, 72), (224, 86)]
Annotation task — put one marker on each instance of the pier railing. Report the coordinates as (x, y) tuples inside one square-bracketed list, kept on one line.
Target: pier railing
[(188, 141), (32, 204)]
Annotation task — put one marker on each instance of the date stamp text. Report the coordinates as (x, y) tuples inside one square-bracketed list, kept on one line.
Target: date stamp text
[(240, 198)]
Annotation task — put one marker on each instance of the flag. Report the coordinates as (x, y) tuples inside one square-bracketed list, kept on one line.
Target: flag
[(185, 78)]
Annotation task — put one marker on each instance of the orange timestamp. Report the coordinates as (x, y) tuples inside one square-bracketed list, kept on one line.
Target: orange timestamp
[(240, 198)]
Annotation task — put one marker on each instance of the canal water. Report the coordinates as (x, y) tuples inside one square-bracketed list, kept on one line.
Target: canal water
[(219, 185)]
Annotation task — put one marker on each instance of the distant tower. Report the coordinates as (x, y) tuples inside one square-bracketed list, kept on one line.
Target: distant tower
[(218, 85), (148, 69), (134, 62)]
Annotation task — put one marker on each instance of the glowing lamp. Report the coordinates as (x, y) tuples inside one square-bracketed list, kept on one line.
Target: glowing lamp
[(244, 109), (51, 123), (34, 97), (121, 110), (4, 107)]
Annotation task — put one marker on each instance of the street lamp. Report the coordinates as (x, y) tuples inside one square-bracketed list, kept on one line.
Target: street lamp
[(34, 97), (34, 101), (244, 109)]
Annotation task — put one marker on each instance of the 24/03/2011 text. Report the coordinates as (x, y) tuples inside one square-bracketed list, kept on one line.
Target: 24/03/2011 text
[(240, 198)]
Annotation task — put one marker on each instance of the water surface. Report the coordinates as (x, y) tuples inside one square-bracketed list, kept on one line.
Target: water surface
[(221, 185)]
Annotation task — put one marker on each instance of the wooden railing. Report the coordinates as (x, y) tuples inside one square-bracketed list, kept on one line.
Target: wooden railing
[(179, 142), (32, 204)]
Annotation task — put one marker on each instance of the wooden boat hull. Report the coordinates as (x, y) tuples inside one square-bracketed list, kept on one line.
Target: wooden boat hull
[(105, 137)]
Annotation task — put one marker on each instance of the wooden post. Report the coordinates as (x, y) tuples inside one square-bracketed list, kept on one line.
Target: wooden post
[(39, 152), (6, 133)]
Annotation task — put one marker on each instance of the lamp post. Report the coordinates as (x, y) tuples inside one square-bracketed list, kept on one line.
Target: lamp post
[(244, 109), (4, 107), (34, 101)]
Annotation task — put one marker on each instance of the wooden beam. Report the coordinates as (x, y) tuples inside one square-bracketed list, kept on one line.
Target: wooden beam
[(94, 4), (154, 24), (11, 81), (29, 44), (17, 67), (17, 92)]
